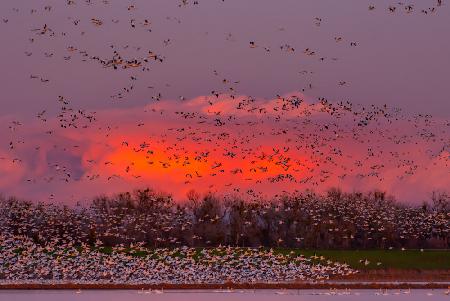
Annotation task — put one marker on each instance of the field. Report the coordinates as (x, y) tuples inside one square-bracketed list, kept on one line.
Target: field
[(392, 259), (363, 260)]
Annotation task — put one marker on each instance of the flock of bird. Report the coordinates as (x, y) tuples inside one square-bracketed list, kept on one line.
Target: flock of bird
[(245, 146), (23, 261), (224, 142), (244, 141), (145, 238), (336, 221)]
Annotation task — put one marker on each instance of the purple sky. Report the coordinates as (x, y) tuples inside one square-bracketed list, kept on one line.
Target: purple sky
[(400, 59)]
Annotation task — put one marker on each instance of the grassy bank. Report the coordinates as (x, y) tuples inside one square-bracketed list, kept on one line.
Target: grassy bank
[(384, 259), (363, 260)]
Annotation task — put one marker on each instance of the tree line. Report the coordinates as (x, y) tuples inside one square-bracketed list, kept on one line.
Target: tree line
[(334, 220)]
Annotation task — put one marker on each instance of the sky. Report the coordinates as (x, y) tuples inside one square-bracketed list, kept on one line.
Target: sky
[(223, 96)]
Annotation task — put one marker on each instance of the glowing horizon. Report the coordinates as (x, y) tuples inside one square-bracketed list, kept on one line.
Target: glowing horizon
[(177, 146)]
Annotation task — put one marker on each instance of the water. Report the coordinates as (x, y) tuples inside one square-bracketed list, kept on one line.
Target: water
[(244, 295)]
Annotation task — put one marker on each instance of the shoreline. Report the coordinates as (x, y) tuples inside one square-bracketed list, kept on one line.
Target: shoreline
[(375, 279), (371, 279), (229, 286), (397, 275)]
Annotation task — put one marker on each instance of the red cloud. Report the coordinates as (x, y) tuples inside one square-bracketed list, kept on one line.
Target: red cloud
[(228, 145)]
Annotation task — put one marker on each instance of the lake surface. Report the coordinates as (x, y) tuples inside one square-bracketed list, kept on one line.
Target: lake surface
[(245, 295)]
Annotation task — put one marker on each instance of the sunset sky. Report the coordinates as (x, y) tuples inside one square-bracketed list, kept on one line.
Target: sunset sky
[(253, 97)]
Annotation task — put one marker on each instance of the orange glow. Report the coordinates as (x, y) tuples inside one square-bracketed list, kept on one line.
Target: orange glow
[(268, 153)]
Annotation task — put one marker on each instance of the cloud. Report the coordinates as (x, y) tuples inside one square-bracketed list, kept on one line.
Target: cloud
[(224, 144)]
